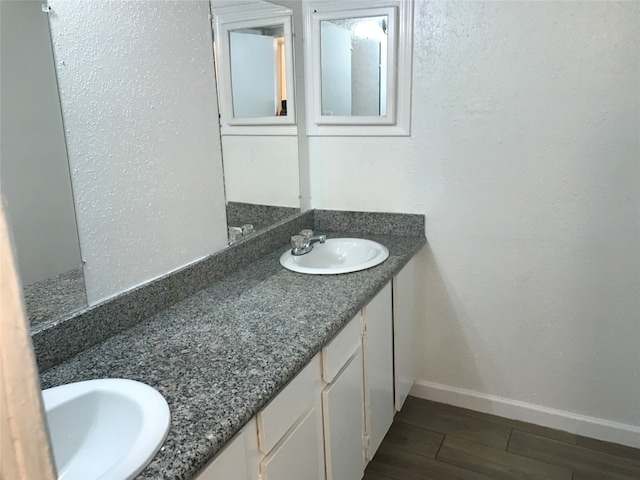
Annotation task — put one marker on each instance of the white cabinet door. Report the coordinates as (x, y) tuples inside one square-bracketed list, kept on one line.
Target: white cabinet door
[(296, 456), (230, 463), (343, 413), (404, 318), (238, 460), (378, 369)]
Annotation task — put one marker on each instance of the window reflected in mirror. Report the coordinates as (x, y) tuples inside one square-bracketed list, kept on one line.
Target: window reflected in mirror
[(354, 66), (253, 53), (258, 72)]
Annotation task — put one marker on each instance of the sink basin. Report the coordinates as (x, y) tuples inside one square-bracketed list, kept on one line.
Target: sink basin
[(337, 255), (104, 429)]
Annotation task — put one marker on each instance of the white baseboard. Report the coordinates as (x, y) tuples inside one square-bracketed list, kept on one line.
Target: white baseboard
[(528, 412)]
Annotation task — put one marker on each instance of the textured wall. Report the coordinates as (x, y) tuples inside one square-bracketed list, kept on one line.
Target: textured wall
[(261, 169), (139, 103), (524, 156), (34, 169)]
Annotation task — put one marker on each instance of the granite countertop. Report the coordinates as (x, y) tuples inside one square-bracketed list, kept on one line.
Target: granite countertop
[(220, 355)]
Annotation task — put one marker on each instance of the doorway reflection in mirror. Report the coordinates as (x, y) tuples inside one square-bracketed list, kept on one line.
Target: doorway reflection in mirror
[(354, 66), (258, 71)]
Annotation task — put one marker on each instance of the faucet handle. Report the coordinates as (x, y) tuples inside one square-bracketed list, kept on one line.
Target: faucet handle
[(235, 234), (297, 242), (306, 233), (247, 229)]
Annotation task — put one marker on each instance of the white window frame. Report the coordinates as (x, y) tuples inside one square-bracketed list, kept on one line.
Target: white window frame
[(397, 121)]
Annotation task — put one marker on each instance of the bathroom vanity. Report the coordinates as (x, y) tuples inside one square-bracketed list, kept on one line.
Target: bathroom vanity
[(221, 332), (266, 368), (331, 418)]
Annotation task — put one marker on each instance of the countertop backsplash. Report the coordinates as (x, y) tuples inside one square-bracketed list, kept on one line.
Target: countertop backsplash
[(55, 342)]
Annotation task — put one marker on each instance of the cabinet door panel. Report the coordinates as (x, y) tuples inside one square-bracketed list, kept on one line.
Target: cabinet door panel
[(343, 413), (404, 317), (296, 456), (378, 369)]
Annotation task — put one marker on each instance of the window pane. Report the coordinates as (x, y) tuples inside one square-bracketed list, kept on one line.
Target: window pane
[(353, 55)]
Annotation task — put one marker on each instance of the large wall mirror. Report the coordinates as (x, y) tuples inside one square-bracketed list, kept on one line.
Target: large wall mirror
[(36, 185), (261, 181), (358, 67), (255, 75)]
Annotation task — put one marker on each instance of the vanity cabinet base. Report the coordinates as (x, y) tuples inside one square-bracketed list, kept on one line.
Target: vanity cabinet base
[(329, 421)]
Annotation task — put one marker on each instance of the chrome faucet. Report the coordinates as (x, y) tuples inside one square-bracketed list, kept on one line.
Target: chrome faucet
[(238, 233), (304, 242)]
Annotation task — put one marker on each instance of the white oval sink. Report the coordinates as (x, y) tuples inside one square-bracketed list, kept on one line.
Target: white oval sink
[(337, 255), (105, 429)]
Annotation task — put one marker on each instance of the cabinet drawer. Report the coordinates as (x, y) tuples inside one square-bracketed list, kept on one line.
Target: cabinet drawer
[(283, 411), (336, 353)]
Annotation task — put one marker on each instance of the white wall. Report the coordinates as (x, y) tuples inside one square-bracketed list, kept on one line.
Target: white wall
[(34, 170), (525, 159), (261, 170), (138, 96)]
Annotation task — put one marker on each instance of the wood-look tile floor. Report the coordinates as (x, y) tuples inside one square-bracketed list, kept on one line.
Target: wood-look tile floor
[(431, 440)]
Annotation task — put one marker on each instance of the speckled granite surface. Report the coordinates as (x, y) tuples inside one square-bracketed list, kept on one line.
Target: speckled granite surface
[(57, 340), (55, 296), (221, 354), (369, 222), (260, 216)]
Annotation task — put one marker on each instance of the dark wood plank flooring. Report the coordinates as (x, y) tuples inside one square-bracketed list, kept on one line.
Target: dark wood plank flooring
[(431, 440)]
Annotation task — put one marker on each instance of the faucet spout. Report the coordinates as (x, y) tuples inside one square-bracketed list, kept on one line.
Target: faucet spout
[(317, 239)]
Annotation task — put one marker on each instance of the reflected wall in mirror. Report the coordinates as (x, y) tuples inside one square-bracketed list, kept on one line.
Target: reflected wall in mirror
[(36, 186), (260, 161), (354, 66), (261, 179), (137, 92)]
